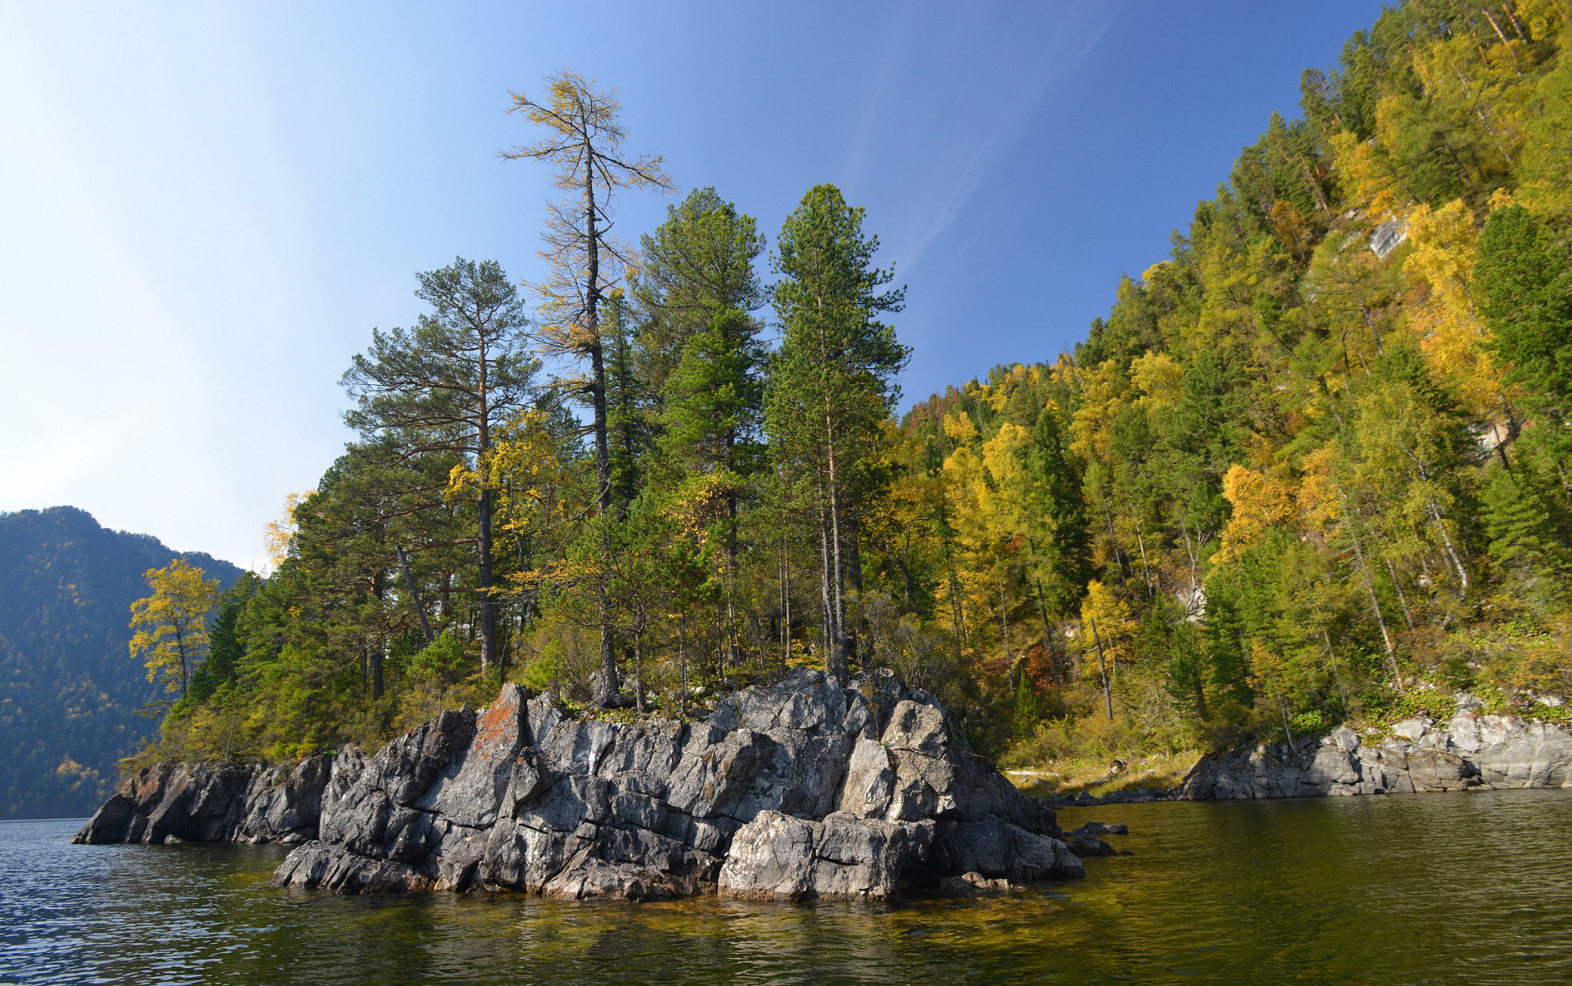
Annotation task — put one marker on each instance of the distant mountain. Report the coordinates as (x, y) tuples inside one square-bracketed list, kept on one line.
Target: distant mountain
[(69, 690)]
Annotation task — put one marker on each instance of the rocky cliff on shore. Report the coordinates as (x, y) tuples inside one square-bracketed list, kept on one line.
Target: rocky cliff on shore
[(251, 803), (1473, 750), (802, 790)]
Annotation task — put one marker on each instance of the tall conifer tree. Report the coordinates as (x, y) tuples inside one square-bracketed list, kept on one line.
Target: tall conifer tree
[(447, 385), (583, 142), (832, 383)]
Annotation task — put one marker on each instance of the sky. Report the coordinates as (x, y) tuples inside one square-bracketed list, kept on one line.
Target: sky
[(205, 208)]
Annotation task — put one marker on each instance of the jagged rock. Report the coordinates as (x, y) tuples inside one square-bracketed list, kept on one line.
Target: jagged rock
[(805, 789), (251, 803), (1471, 750), (779, 857), (999, 850)]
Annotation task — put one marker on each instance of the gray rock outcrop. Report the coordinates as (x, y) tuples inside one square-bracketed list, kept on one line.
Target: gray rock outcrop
[(250, 803), (798, 791), (1472, 750)]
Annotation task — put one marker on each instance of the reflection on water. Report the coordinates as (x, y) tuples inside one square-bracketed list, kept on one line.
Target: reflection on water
[(1400, 890)]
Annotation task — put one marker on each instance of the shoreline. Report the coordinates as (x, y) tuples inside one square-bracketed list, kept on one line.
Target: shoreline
[(1473, 750)]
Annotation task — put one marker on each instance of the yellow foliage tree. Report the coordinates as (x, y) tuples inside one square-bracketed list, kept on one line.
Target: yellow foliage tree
[(1445, 246), (279, 533), (959, 427), (528, 469), (1543, 18), (1104, 397), (1002, 497), (962, 476), (1366, 173), (1318, 498), (1110, 629), (1545, 180), (583, 142), (1159, 377), (1291, 228), (170, 624), (1259, 500)]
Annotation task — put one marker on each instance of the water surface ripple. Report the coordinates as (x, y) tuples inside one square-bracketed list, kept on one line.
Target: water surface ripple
[(1470, 889)]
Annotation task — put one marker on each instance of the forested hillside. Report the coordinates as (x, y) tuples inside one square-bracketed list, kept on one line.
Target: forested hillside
[(68, 708), (1311, 467)]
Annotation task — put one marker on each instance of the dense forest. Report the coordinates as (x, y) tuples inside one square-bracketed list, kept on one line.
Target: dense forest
[(70, 707), (1310, 468)]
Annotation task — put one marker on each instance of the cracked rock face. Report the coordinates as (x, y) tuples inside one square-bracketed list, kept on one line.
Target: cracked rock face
[(803, 790), (1470, 751), (250, 803)]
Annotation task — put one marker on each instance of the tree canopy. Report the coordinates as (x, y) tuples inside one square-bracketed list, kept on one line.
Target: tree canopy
[(1311, 467)]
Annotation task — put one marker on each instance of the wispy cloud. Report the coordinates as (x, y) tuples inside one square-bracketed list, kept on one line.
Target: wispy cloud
[(973, 114)]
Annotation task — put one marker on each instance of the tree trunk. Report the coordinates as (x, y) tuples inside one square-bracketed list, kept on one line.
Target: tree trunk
[(1146, 570), (826, 581), (376, 653), (1337, 674), (682, 660), (1375, 603), (839, 664), (638, 668), (488, 602), (1451, 551), (1004, 618), (1402, 599), (414, 594), (1048, 635), (957, 606), (1102, 666), (185, 663), (731, 551), (785, 605), (1282, 707), (609, 684)]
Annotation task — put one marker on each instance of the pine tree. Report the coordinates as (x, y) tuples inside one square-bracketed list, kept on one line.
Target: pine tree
[(696, 264), (226, 645), (1522, 528), (1523, 280), (832, 383), (446, 386)]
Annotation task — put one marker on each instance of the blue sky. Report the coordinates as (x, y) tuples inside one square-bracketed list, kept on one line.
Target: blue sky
[(206, 207)]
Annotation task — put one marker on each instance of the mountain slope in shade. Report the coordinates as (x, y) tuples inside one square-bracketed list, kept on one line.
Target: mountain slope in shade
[(69, 690)]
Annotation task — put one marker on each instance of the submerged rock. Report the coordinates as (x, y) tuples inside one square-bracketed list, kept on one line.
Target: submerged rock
[(803, 790), (1086, 841)]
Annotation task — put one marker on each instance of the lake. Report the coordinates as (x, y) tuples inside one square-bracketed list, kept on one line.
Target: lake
[(1457, 888)]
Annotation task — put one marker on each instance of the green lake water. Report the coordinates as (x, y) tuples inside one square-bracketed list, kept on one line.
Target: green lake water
[(1386, 890)]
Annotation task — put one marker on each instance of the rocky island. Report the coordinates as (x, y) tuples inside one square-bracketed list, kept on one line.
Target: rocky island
[(801, 790)]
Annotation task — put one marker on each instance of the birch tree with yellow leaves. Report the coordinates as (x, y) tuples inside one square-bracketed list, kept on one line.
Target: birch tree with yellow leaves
[(169, 625)]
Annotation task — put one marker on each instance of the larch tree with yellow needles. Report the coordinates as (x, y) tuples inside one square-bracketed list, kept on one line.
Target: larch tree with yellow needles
[(582, 140)]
